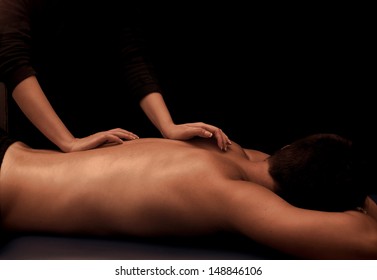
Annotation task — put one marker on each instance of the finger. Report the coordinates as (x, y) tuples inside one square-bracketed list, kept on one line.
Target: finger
[(218, 135), (95, 141), (198, 131), (205, 130), (211, 128), (108, 138), (226, 139), (125, 135), (121, 130), (122, 133), (222, 140), (204, 126)]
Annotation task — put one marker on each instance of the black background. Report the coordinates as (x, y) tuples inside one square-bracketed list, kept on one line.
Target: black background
[(264, 74)]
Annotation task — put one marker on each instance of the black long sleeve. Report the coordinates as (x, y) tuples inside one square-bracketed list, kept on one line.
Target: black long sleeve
[(15, 42), (32, 32)]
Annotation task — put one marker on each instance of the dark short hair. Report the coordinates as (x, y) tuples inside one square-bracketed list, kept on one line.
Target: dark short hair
[(315, 173)]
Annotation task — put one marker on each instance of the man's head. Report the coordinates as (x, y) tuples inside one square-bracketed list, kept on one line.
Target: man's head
[(315, 172)]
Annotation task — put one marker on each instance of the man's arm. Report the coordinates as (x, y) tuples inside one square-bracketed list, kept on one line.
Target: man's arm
[(268, 219)]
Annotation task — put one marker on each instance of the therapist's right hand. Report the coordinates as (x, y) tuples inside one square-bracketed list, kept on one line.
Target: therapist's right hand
[(112, 136)]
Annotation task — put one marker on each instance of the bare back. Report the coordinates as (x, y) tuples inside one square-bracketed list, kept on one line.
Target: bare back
[(145, 186)]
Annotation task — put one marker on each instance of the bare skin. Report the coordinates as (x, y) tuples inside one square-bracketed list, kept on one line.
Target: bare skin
[(154, 187)]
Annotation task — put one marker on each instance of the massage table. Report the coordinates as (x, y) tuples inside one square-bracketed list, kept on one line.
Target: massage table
[(215, 247)]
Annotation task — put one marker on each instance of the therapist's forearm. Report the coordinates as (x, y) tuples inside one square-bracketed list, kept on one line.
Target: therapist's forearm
[(156, 110), (32, 101)]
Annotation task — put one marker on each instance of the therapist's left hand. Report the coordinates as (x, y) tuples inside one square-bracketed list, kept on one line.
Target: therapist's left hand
[(198, 129)]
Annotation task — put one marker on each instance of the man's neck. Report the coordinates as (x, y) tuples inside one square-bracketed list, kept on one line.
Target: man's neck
[(257, 172)]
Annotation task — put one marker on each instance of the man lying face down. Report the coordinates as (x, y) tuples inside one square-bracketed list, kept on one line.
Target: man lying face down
[(158, 187)]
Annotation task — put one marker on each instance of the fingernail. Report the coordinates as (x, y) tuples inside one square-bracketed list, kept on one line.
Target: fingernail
[(208, 134)]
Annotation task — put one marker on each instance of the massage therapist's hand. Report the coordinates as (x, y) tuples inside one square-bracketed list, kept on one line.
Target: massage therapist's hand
[(197, 129), (113, 136), (155, 108)]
